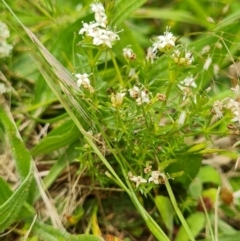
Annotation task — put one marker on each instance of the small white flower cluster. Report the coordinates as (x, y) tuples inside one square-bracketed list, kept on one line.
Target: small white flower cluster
[(141, 96), (84, 81), (230, 104), (97, 30), (164, 43), (156, 177), (5, 48), (183, 58), (185, 86)]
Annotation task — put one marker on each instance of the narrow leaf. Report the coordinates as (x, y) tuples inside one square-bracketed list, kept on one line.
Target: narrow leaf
[(124, 8), (64, 135)]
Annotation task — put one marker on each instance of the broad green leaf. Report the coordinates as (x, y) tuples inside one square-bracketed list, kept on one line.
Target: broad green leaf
[(19, 152), (11, 206), (195, 188), (196, 222), (59, 137), (123, 9), (166, 210), (208, 174), (189, 164)]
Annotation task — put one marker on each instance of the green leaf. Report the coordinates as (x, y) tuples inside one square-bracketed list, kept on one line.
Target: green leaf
[(48, 233), (189, 164), (208, 174), (198, 147), (10, 209), (123, 9), (167, 13), (11, 206), (63, 135), (211, 193), (195, 188), (19, 152), (196, 223), (166, 210)]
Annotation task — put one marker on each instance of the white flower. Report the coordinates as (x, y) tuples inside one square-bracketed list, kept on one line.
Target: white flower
[(237, 117), (232, 105), (117, 99), (4, 32), (101, 38), (217, 107), (236, 89), (155, 177), (88, 28), (143, 98), (207, 63), (97, 7), (83, 80), (5, 49), (101, 19), (150, 55), (188, 81), (134, 92), (113, 36), (165, 42), (138, 180), (128, 53), (140, 96), (3, 88), (188, 57)]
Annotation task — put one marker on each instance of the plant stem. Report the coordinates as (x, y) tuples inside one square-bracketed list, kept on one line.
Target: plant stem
[(116, 68), (179, 213)]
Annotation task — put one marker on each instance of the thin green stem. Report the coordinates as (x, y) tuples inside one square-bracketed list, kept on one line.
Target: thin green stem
[(97, 57), (179, 213), (116, 68), (207, 218)]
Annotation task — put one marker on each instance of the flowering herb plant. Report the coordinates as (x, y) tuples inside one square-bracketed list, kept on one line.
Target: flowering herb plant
[(142, 118)]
